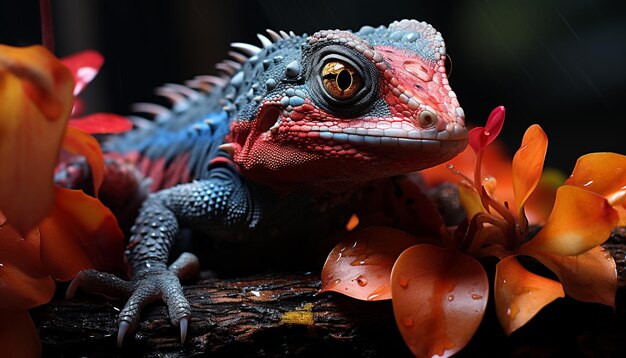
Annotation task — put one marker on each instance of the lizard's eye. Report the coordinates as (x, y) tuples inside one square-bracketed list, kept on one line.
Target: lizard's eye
[(341, 80)]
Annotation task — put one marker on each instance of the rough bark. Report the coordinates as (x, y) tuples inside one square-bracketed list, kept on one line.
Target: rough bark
[(281, 315)]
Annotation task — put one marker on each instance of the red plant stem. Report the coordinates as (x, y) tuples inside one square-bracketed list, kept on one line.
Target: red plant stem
[(47, 33), (478, 182)]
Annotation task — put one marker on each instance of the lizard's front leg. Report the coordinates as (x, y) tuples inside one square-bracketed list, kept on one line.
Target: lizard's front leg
[(222, 200)]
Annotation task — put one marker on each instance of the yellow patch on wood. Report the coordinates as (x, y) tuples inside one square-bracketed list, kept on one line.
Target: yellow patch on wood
[(303, 316)]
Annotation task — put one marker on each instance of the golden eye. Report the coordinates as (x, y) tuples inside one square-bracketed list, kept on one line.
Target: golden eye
[(341, 80)]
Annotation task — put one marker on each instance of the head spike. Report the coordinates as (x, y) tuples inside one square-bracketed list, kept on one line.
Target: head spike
[(189, 92), (292, 34), (247, 49), (225, 68), (264, 41), (214, 80), (160, 113), (238, 57), (284, 35), (273, 35)]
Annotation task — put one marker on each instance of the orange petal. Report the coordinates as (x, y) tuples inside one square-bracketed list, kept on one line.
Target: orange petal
[(80, 233), (24, 282), (360, 266), (540, 203), (81, 143), (588, 277), (580, 220), (439, 298), (18, 335), (35, 102), (603, 174), (528, 163), (520, 294)]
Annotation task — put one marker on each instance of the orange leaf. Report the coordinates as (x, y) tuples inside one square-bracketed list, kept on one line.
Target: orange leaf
[(35, 102), (520, 294), (18, 335), (439, 298), (580, 220), (80, 233), (24, 282), (588, 277), (361, 264), (78, 142), (603, 174), (528, 163)]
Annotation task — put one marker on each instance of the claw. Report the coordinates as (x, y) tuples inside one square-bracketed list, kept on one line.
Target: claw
[(184, 323), (71, 289), (122, 329)]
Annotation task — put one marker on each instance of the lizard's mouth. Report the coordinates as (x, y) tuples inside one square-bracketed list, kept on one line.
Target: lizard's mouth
[(392, 138)]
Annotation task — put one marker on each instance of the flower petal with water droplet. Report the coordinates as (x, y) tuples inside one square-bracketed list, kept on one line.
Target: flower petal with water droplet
[(520, 294), (603, 174), (360, 265), (481, 137), (439, 298)]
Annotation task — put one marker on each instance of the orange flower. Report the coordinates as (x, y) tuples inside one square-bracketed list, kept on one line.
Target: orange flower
[(75, 230), (35, 103), (439, 292)]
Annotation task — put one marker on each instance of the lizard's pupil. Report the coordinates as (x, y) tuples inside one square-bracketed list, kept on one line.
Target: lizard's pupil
[(341, 80), (344, 80)]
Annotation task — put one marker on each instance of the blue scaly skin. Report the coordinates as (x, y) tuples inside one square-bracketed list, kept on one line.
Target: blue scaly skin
[(291, 132)]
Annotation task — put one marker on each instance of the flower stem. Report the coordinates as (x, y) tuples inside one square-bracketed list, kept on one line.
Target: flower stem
[(47, 33)]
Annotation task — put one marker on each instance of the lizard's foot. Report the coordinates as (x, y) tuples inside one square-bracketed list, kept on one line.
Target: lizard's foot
[(146, 287)]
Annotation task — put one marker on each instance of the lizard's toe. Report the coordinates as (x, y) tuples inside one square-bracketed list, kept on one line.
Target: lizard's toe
[(99, 282)]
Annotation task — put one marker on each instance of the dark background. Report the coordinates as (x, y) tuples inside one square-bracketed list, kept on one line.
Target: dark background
[(556, 63)]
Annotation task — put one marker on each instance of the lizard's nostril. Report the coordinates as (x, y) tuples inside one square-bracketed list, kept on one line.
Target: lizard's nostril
[(427, 119)]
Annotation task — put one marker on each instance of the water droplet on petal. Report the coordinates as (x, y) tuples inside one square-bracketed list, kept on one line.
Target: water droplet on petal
[(476, 296), (408, 321), (361, 280), (450, 298), (486, 133), (508, 311), (504, 281), (403, 281), (588, 183), (373, 296), (354, 245)]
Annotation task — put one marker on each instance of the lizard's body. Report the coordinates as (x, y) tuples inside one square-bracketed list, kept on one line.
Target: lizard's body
[(283, 145)]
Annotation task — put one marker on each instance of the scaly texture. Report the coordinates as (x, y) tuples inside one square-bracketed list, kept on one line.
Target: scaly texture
[(279, 146)]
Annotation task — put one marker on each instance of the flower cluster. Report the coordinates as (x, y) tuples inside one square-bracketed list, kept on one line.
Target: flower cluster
[(439, 289)]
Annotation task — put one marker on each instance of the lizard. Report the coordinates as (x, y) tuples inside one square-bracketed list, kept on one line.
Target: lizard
[(301, 121)]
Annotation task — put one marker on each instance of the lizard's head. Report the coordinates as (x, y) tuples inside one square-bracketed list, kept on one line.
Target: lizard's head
[(339, 107)]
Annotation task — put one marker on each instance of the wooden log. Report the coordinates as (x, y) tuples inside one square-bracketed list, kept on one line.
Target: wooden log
[(281, 315)]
